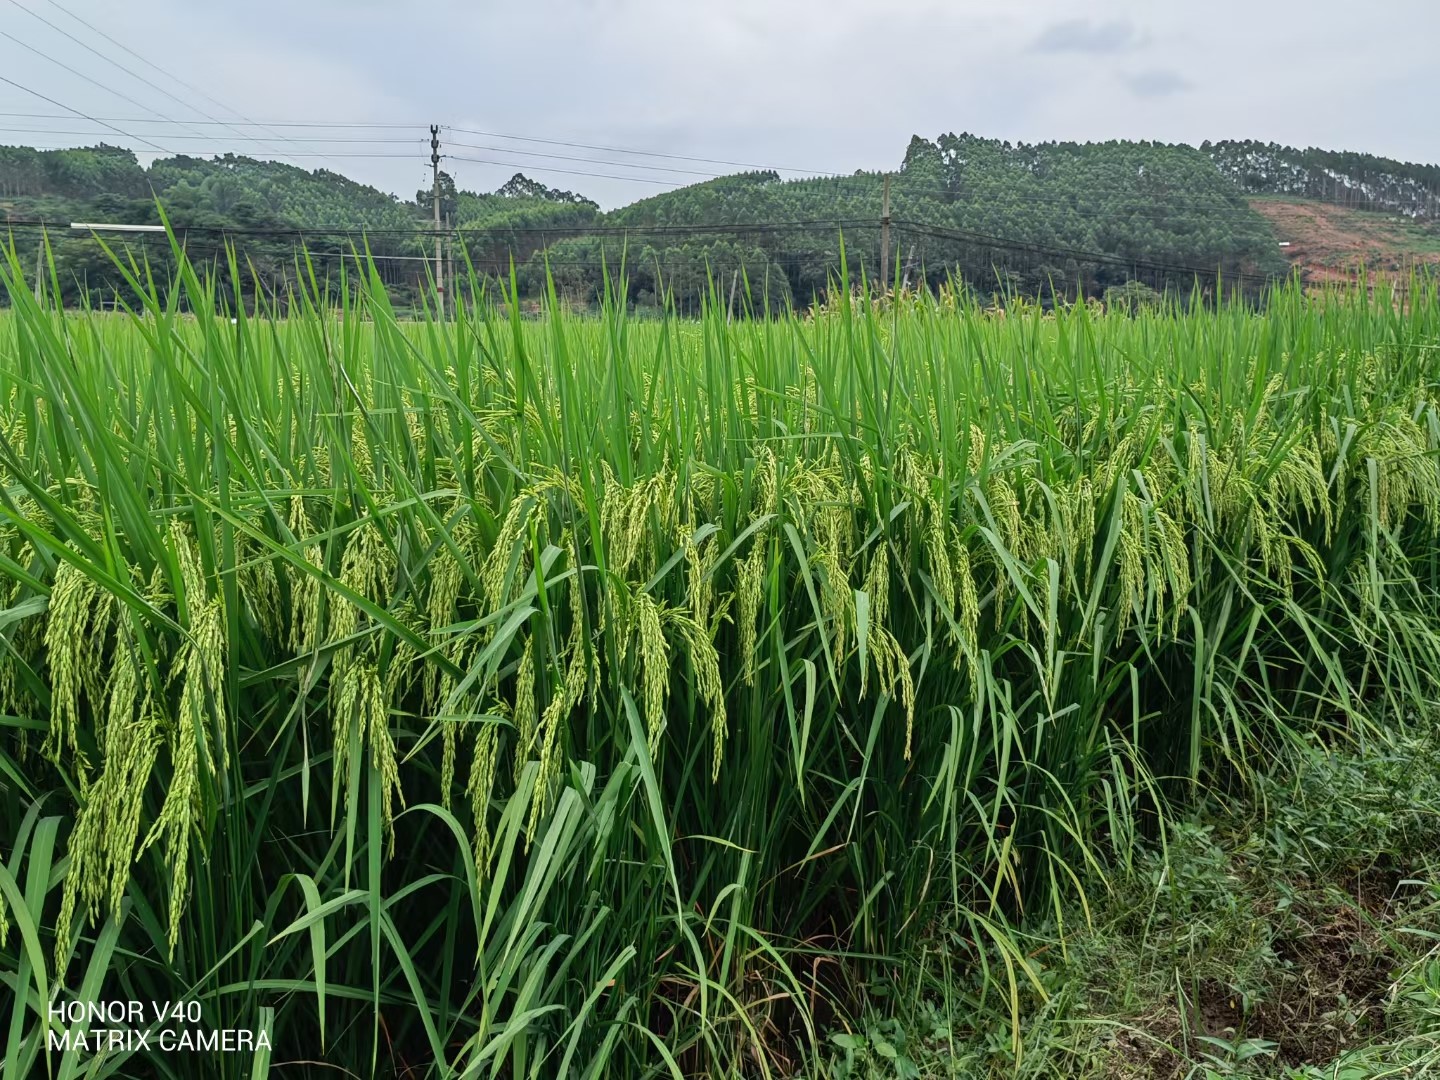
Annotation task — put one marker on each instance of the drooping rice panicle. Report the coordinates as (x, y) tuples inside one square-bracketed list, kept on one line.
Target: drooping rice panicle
[(753, 646)]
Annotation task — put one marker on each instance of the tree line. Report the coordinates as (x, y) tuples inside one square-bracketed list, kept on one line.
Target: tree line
[(1051, 219), (1362, 181)]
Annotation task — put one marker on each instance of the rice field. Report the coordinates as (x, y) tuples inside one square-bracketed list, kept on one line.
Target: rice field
[(588, 697)]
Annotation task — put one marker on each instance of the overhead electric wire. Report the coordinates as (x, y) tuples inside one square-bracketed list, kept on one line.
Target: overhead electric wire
[(225, 123), (640, 230), (156, 67), (108, 60), (868, 185), (941, 232), (867, 179), (79, 74), (618, 230), (921, 228), (593, 161), (222, 152), (637, 153), (362, 255), (317, 124), (572, 172), (82, 75), (975, 240), (865, 183), (84, 116), (1078, 254), (419, 231), (223, 138)]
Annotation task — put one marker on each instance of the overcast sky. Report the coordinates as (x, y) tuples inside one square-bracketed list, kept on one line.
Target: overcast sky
[(814, 85)]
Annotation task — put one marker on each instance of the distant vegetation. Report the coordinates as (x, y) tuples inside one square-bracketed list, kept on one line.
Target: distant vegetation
[(1359, 180), (1059, 216), (1052, 219), (259, 204)]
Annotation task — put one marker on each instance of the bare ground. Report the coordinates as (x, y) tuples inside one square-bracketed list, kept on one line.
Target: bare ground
[(1334, 243)]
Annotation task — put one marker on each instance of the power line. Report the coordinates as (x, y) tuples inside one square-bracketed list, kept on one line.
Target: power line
[(223, 152), (923, 228), (642, 229), (364, 255), (462, 232), (82, 115), (108, 60), (213, 137), (571, 172), (1078, 254), (77, 74), (810, 175), (155, 67), (864, 183), (976, 240), (638, 153), (621, 230), (233, 124), (593, 161), (870, 185)]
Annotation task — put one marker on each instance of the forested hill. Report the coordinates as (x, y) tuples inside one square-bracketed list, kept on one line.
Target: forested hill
[(266, 208), (1064, 217), (1057, 215), (1362, 181), (230, 191), (259, 204)]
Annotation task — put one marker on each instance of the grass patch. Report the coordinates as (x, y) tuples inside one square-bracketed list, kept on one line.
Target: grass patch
[(1289, 932)]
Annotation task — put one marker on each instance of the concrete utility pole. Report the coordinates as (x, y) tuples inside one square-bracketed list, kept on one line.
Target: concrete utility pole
[(439, 265), (885, 238), (450, 274)]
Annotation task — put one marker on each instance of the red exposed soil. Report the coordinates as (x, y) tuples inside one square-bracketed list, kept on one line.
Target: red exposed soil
[(1333, 244)]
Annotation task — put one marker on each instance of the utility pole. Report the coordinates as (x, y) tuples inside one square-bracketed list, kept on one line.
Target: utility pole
[(450, 274), (439, 266), (885, 238)]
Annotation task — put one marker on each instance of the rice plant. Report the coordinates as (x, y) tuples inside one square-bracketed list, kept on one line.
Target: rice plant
[(581, 697)]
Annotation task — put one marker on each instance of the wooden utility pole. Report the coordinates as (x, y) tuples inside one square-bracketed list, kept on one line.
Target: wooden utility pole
[(885, 237), (439, 265)]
